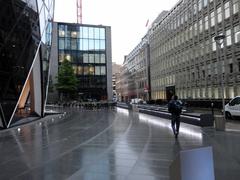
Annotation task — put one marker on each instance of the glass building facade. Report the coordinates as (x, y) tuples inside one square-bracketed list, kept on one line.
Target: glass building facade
[(87, 47), (25, 41)]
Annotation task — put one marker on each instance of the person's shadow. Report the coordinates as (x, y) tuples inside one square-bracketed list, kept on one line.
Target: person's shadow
[(177, 146)]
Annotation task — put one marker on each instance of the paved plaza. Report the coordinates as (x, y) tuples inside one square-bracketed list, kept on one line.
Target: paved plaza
[(108, 145)]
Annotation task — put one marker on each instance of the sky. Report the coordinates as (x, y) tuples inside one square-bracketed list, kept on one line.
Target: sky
[(127, 19)]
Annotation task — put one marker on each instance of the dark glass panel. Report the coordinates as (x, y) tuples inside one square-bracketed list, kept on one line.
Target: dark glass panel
[(91, 58), (97, 58), (19, 38)]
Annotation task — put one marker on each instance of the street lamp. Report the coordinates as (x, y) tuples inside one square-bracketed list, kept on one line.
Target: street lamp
[(219, 39)]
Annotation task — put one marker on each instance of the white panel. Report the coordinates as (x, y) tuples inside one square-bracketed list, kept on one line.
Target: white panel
[(37, 86)]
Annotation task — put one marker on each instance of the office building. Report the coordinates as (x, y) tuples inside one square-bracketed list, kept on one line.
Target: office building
[(88, 48), (184, 55), (25, 40), (135, 74)]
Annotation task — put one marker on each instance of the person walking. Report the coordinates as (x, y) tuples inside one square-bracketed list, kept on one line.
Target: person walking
[(175, 108)]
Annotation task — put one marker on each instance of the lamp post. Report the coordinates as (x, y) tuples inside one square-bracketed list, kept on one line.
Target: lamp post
[(219, 39)]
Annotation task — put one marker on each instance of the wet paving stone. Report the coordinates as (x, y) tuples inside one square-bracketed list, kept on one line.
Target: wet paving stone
[(110, 145)]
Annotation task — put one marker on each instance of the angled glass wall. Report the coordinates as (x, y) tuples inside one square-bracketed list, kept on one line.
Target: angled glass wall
[(25, 31)]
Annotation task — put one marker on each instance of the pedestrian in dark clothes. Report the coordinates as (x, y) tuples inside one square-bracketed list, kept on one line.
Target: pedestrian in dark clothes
[(175, 108)]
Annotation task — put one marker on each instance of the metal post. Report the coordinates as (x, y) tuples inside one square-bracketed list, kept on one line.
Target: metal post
[(219, 41)]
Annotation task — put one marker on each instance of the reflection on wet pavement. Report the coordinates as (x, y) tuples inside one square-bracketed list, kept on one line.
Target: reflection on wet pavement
[(108, 145)]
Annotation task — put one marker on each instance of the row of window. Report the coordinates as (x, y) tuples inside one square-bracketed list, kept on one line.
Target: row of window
[(81, 44), (82, 57), (197, 73), (89, 70), (181, 16), (193, 52), (171, 44), (196, 93), (81, 32)]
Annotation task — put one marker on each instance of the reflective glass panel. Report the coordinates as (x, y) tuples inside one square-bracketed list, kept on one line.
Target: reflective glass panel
[(96, 33), (91, 44), (102, 58), (73, 44), (86, 70), (85, 32), (67, 43), (97, 70), (85, 58), (103, 70), (102, 44), (91, 70), (91, 58), (91, 33), (97, 58), (61, 43), (97, 44), (85, 44), (80, 70), (102, 33)]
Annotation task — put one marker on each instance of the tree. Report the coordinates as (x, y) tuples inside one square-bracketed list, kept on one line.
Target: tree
[(67, 80)]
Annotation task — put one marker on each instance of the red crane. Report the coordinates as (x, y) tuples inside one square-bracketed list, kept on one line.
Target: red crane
[(79, 11)]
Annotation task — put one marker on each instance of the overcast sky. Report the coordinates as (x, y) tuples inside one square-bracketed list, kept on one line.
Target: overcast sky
[(127, 19)]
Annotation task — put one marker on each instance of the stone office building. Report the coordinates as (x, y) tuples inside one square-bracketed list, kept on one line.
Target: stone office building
[(135, 76), (184, 55)]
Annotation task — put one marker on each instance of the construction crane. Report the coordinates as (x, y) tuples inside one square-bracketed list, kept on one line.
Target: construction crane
[(79, 11)]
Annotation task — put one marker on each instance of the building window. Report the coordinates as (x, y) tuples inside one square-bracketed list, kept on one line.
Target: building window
[(73, 34), (235, 6), (219, 14), (206, 22), (74, 69), (97, 70), (86, 70), (85, 32), (200, 26), (61, 56), (228, 37), (61, 31), (80, 70), (214, 46), (226, 10), (237, 34), (85, 58), (199, 5), (67, 43), (102, 33), (97, 58), (205, 2), (102, 59), (61, 43), (73, 44), (231, 68), (194, 8), (91, 70), (91, 58), (212, 16), (103, 70)]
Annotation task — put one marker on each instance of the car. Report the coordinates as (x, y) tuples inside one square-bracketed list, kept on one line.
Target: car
[(232, 109)]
